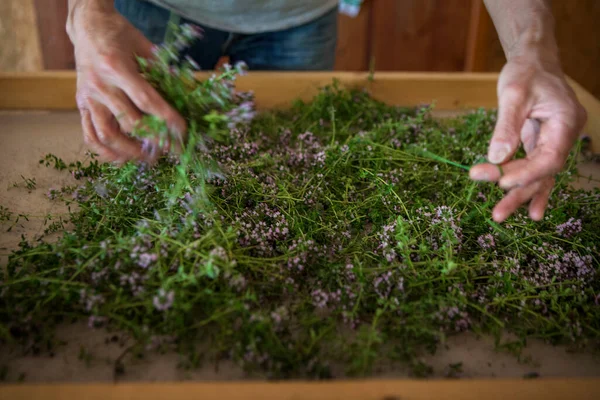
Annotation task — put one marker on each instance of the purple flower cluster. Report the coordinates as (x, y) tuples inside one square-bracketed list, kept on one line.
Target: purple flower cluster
[(392, 176), (236, 281), (53, 193), (164, 300), (251, 357), (445, 227), (77, 194), (387, 284), (142, 254), (279, 315), (243, 114), (239, 147), (558, 266), (454, 317), (569, 228), (486, 241), (135, 282), (307, 153), (90, 301), (145, 178), (302, 252), (262, 228), (386, 242), (322, 299)]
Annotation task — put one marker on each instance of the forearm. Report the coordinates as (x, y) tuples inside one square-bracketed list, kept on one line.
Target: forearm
[(524, 27), (77, 8)]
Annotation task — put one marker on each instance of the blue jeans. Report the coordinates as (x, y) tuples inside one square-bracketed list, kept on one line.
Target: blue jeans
[(307, 47)]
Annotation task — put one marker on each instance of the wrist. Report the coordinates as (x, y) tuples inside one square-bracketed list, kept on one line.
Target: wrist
[(536, 55), (78, 9), (534, 45), (533, 37)]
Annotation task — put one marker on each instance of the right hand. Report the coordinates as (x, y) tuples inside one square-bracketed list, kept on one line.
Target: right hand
[(111, 93)]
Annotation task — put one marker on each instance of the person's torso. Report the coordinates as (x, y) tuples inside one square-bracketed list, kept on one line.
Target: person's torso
[(249, 16)]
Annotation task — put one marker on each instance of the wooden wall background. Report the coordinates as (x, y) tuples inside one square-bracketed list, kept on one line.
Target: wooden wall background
[(401, 35), (19, 41)]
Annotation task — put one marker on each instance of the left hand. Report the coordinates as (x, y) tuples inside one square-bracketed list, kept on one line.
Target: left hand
[(538, 109)]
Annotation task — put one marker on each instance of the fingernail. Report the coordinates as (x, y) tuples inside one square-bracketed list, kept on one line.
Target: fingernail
[(479, 175), (498, 152)]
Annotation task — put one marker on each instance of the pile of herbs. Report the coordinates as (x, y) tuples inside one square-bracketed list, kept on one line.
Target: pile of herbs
[(341, 231)]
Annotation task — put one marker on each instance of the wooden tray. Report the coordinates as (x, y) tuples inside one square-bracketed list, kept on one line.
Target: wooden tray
[(58, 131), (55, 90)]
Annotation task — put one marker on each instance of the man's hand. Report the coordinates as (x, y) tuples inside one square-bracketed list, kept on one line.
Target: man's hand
[(112, 96), (537, 109)]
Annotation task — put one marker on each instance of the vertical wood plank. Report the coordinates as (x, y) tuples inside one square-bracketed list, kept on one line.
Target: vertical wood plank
[(19, 43), (57, 49), (354, 37), (420, 35), (578, 37), (480, 25)]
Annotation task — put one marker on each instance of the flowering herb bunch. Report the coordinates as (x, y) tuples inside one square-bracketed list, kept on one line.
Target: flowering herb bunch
[(344, 237), (211, 107)]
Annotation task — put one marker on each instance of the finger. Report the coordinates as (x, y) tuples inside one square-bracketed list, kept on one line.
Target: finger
[(521, 172), (545, 164), (529, 134), (147, 99), (547, 159), (485, 172), (493, 172), (91, 138), (512, 114), (109, 135), (539, 202), (513, 200), (125, 112)]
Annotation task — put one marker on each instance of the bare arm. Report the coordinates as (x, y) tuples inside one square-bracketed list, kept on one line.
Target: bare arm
[(77, 7), (524, 26), (536, 109)]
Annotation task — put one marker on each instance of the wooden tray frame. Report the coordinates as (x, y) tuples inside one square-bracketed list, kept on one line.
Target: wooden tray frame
[(55, 91)]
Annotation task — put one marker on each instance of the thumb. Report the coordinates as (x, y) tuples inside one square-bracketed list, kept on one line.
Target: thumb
[(512, 114)]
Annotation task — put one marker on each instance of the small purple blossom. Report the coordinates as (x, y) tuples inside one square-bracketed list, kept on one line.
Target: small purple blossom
[(241, 68), (486, 241), (90, 300), (53, 193), (386, 283), (279, 315), (164, 300), (320, 298), (145, 259)]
